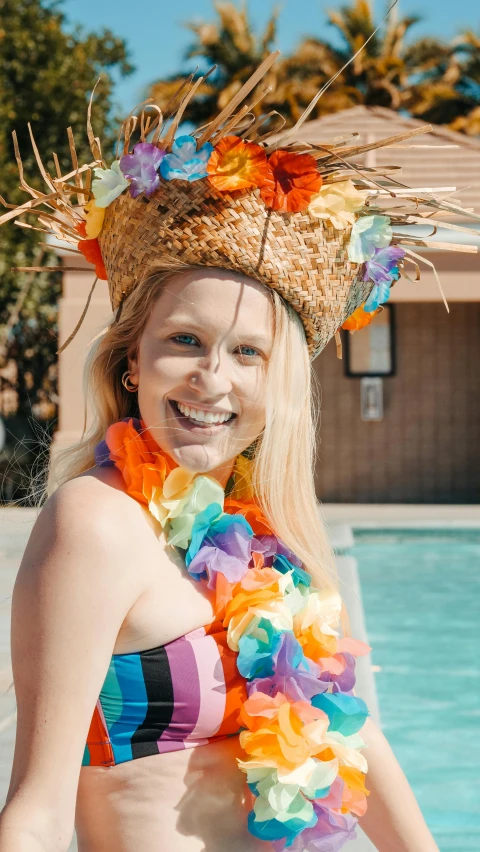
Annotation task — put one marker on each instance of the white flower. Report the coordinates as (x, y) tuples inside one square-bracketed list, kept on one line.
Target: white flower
[(338, 202), (108, 184), (368, 233)]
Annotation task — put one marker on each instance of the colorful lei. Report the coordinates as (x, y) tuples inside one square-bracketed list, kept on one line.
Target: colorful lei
[(301, 721), (288, 182)]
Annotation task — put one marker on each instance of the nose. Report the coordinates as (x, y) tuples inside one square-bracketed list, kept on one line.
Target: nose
[(211, 376)]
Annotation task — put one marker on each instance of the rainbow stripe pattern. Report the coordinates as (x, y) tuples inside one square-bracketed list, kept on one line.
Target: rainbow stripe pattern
[(301, 720), (183, 694)]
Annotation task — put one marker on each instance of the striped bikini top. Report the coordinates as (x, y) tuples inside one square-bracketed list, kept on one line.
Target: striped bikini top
[(180, 695)]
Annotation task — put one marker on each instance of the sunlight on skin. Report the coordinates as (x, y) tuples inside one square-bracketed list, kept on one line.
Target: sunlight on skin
[(206, 344)]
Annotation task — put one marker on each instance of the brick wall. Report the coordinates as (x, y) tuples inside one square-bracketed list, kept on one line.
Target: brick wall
[(427, 447)]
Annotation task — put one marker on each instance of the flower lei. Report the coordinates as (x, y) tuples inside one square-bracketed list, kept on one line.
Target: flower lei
[(301, 721), (288, 182)]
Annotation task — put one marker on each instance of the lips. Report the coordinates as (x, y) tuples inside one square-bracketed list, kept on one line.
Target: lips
[(199, 428)]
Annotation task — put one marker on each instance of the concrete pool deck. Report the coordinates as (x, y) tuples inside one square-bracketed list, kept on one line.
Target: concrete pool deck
[(341, 521), (401, 515)]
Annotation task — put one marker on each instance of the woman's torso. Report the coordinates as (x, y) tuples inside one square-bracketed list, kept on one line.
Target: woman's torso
[(186, 800)]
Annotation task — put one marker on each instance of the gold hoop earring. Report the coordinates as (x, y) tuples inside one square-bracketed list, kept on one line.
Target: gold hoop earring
[(129, 387)]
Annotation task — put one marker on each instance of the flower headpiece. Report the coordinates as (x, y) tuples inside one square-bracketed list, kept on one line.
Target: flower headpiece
[(303, 218)]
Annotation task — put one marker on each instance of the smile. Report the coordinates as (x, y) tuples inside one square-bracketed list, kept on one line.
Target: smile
[(201, 420)]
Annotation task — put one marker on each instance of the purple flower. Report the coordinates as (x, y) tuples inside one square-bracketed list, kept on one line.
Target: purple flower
[(270, 546), (227, 552), (345, 681), (294, 674), (329, 834), (382, 269), (141, 168)]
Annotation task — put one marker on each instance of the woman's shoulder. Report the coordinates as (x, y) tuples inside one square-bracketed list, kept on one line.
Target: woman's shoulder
[(96, 503), (98, 491)]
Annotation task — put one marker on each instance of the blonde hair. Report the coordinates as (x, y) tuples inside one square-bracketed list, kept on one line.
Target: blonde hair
[(284, 457)]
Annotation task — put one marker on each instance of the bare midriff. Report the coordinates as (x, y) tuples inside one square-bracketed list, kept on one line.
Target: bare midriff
[(193, 800)]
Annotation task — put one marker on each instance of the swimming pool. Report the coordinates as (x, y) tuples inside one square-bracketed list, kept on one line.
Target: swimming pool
[(421, 594)]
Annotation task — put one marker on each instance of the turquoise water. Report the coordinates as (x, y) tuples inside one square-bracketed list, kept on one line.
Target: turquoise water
[(421, 593)]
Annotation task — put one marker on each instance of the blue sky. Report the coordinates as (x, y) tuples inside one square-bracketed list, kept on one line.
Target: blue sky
[(156, 38)]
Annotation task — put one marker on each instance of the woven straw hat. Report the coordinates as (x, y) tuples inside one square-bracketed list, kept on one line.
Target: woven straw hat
[(297, 254), (258, 204)]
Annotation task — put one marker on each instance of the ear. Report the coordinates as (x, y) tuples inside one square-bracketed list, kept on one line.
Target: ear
[(132, 362)]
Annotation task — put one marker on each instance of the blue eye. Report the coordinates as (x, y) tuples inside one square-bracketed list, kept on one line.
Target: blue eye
[(177, 336), (252, 352)]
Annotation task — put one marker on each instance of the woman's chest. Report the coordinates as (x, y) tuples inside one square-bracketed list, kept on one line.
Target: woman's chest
[(172, 604)]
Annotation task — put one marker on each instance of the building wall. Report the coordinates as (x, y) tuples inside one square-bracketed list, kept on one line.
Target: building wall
[(427, 447)]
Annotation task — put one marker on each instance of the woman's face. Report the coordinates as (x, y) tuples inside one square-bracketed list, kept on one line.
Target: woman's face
[(201, 368)]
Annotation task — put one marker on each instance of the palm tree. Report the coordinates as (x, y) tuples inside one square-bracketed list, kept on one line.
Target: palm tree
[(234, 49), (381, 74), (426, 78)]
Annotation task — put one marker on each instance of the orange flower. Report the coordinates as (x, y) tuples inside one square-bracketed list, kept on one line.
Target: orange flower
[(235, 164), (251, 512), (296, 181), (354, 796), (91, 252), (139, 459), (359, 319)]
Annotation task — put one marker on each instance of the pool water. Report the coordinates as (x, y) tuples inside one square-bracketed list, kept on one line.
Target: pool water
[(421, 593)]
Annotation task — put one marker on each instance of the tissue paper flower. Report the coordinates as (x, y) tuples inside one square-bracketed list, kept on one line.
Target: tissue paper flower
[(226, 549), (91, 252), (141, 168), (235, 164), (185, 162), (94, 217), (294, 675), (368, 233), (108, 184), (295, 180), (134, 452), (359, 319), (382, 269), (181, 502), (338, 202)]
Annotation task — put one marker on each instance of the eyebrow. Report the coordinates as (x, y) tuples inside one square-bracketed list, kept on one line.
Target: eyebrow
[(188, 321)]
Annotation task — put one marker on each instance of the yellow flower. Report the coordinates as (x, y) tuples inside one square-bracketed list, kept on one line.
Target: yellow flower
[(180, 500), (338, 202), (94, 217)]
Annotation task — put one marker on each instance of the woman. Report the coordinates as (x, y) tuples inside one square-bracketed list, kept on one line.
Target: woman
[(170, 570)]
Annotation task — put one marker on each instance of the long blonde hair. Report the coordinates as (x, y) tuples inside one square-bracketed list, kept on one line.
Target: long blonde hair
[(283, 463)]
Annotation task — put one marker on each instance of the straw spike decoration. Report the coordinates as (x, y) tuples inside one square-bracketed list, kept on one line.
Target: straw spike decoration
[(305, 218)]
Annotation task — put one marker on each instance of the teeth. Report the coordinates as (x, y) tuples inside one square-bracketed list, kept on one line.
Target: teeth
[(203, 416)]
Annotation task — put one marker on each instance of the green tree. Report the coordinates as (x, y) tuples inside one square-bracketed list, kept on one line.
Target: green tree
[(47, 73), (235, 49), (426, 77)]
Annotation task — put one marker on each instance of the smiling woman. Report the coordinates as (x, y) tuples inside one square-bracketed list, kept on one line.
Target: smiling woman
[(178, 589)]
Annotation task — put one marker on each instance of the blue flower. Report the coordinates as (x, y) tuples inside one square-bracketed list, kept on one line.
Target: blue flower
[(255, 657), (185, 162), (282, 564), (378, 296), (346, 713), (368, 233)]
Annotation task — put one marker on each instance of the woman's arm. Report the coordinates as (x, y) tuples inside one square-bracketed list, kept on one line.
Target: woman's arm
[(393, 821), (70, 598)]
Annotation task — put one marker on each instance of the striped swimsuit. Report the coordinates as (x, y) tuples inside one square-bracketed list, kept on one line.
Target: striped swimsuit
[(179, 695)]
